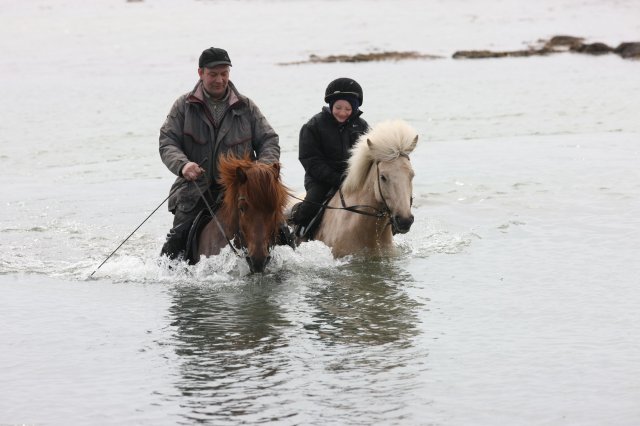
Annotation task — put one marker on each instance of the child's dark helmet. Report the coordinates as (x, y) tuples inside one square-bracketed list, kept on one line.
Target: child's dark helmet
[(342, 88)]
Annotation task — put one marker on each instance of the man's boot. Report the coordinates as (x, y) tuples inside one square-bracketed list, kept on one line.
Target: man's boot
[(176, 243), (285, 237)]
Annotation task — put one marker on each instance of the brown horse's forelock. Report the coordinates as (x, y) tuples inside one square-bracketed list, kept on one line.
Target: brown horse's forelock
[(264, 188)]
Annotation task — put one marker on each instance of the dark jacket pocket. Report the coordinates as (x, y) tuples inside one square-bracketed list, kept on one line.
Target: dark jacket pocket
[(237, 141), (189, 138), (187, 199)]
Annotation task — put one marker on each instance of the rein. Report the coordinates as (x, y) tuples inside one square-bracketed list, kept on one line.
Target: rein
[(386, 212), (379, 213), (240, 235), (147, 218), (356, 208), (215, 218)]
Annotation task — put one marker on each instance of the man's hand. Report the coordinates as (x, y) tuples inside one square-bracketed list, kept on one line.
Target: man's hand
[(191, 171)]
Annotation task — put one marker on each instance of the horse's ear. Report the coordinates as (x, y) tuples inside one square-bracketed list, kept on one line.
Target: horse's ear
[(413, 144), (241, 176), (276, 169), (369, 144)]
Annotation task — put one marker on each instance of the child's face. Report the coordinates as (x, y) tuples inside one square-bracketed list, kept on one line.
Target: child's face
[(341, 110)]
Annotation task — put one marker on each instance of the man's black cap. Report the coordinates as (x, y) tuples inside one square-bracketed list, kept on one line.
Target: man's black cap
[(212, 57)]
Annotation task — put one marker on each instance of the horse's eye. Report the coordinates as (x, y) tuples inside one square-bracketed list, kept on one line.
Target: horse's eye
[(242, 208), (383, 178)]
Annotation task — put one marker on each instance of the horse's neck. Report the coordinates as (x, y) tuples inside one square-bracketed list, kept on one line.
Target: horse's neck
[(228, 220), (367, 193), (366, 196)]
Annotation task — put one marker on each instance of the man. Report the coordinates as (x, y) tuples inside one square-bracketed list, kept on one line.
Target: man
[(211, 120)]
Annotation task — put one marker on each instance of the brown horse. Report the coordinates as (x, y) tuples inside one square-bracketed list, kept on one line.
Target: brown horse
[(251, 213)]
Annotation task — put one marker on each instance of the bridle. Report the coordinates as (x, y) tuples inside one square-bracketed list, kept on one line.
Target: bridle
[(239, 236), (379, 213)]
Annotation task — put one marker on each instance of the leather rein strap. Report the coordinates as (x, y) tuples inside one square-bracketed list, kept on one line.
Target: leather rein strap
[(215, 219)]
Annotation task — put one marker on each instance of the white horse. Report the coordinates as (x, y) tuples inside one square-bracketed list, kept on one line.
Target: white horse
[(376, 195)]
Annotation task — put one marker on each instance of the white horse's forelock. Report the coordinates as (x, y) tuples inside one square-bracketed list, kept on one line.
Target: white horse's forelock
[(384, 142)]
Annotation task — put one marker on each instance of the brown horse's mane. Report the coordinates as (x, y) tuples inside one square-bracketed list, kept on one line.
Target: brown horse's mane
[(265, 189)]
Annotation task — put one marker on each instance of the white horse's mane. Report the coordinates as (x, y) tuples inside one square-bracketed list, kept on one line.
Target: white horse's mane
[(386, 141)]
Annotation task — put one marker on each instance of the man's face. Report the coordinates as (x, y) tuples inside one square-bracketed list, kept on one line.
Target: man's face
[(215, 80)]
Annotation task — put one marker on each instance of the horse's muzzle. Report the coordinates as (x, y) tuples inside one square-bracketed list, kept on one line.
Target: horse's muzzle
[(257, 264), (401, 225)]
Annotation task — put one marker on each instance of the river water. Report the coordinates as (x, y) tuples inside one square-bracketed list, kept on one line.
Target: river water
[(513, 299)]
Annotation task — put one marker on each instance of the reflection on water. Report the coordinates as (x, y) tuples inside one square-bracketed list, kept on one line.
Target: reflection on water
[(365, 304), (226, 339), (365, 325), (280, 347)]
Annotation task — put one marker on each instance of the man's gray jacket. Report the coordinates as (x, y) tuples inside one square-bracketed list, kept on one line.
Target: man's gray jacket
[(189, 134)]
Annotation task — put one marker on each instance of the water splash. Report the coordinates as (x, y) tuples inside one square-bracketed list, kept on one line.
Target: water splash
[(224, 268)]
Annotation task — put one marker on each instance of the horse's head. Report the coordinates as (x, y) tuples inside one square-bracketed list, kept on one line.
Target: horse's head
[(255, 196), (383, 152), (394, 190)]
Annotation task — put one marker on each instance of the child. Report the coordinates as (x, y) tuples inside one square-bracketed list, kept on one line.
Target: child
[(324, 147)]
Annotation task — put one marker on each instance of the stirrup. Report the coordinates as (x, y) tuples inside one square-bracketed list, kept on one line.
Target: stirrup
[(292, 214), (300, 231)]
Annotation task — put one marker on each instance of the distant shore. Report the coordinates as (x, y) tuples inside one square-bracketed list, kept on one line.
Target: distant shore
[(554, 45)]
